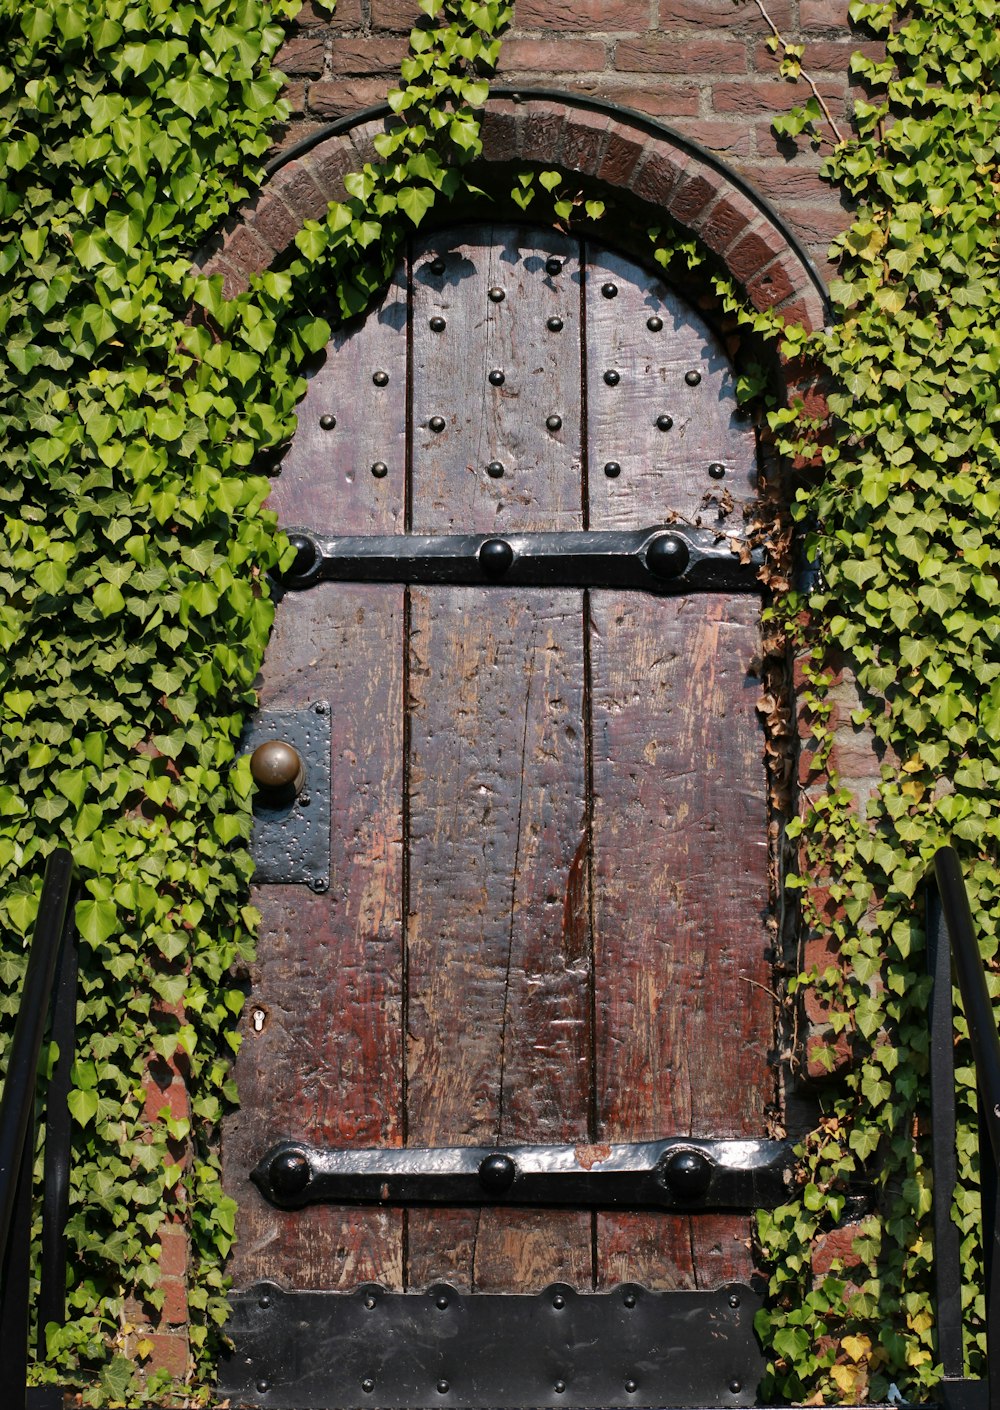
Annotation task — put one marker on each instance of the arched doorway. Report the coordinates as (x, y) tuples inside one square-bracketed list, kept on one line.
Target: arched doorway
[(514, 942)]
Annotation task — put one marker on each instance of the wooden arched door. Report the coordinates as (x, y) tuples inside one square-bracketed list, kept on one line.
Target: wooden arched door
[(520, 900)]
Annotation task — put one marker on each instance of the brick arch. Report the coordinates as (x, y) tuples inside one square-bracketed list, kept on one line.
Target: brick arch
[(650, 169)]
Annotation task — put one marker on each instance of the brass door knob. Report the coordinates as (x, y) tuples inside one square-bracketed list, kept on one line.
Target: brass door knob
[(277, 770)]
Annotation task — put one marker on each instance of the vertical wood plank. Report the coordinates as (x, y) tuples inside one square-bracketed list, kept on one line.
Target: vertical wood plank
[(498, 938), (326, 1064), (683, 1021)]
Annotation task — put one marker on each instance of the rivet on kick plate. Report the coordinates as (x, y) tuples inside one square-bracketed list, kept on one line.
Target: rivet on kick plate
[(693, 377)]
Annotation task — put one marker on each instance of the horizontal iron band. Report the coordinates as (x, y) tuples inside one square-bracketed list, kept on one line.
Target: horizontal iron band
[(679, 1173), (629, 1347), (662, 559)]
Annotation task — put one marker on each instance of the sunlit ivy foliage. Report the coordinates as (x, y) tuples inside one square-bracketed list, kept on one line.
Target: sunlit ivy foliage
[(903, 526), (134, 403)]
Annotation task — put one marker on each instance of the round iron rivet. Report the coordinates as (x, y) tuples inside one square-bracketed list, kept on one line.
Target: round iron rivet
[(289, 1173), (304, 800), (381, 379), (327, 422), (320, 883), (664, 422), (654, 324), (553, 265), (443, 1387), (274, 469), (368, 1385), (437, 324), (612, 377), (441, 1301), (734, 1300), (693, 377), (494, 470), (497, 295), (306, 556), (629, 1299), (559, 1387), (558, 1302), (631, 1386), (369, 1302), (496, 1171), (321, 707), (717, 471), (686, 1172), (609, 290), (496, 378), (263, 1385), (380, 469), (437, 265), (667, 557), (553, 422), (735, 1385), (436, 424), (554, 324), (612, 469), (264, 1302)]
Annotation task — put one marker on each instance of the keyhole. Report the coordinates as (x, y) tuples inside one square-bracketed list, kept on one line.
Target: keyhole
[(259, 1018)]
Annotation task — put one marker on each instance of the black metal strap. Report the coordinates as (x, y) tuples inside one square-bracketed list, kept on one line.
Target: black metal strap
[(681, 1173), (662, 559)]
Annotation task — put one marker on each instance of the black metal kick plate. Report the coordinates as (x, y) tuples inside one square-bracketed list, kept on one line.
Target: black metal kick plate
[(440, 1348), (291, 842)]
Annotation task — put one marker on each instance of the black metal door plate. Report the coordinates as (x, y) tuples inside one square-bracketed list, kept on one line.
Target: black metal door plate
[(441, 1348), (291, 838), (682, 1173)]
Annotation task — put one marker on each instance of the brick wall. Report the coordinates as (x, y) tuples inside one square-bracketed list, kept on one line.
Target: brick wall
[(701, 66)]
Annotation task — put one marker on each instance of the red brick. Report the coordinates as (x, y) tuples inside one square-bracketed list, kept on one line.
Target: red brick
[(693, 194), (542, 126), (730, 138), (346, 16), (724, 15), (362, 139), (174, 1312), (174, 1098), (596, 15), (664, 99), (817, 224), (656, 54), (788, 182), (169, 1353), (770, 286), (832, 55), (757, 249), (304, 54), (552, 55), (499, 130), (797, 312), (622, 152), (769, 96), (583, 140), (345, 96), (378, 55), (299, 190), (719, 224), (836, 1244), (659, 174), (173, 1251), (824, 14), (329, 163), (294, 94), (245, 251), (272, 220), (287, 136), (234, 281), (395, 14)]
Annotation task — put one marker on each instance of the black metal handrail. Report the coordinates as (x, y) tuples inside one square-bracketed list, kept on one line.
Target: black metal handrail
[(52, 953), (952, 941)]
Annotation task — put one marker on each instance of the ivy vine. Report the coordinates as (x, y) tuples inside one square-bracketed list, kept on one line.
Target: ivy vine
[(135, 401), (900, 517)]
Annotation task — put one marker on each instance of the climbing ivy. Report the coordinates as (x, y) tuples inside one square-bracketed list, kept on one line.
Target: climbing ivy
[(135, 403), (899, 515)]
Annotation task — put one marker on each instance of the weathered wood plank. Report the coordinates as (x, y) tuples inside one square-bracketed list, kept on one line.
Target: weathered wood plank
[(327, 1062), (683, 1020), (661, 470), (498, 942), (503, 424)]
